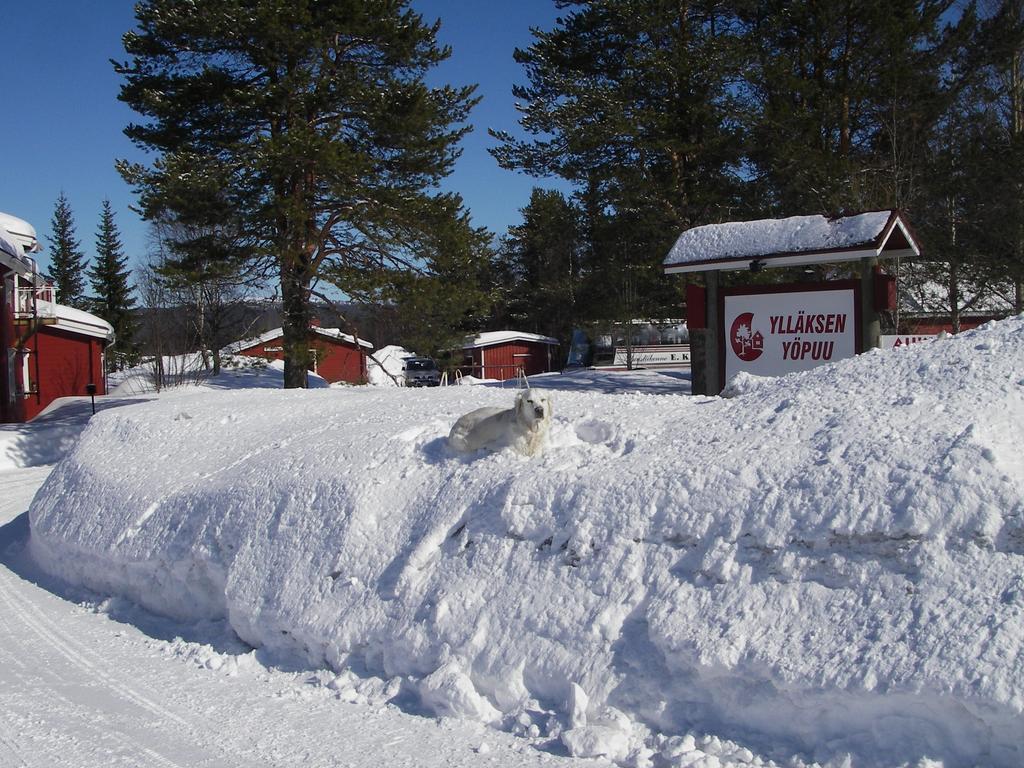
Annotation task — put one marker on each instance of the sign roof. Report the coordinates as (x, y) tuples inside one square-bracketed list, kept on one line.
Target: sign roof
[(795, 241)]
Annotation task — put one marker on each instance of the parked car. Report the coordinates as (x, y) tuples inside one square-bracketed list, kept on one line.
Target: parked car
[(420, 372)]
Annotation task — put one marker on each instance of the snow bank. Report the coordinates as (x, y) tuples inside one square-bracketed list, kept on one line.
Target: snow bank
[(188, 371), (384, 368), (826, 564)]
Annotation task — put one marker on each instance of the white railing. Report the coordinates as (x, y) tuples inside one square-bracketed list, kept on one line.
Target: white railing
[(34, 302)]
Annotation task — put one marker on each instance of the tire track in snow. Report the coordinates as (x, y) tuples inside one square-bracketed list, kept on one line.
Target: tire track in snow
[(21, 612), (62, 643), (182, 735), (135, 727), (26, 703), (8, 750)]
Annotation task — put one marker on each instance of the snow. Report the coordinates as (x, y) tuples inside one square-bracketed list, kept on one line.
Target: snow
[(89, 682), (384, 367), (337, 333), (747, 239), (181, 373), (76, 320), (12, 256), (9, 247), (922, 295), (822, 567), (24, 234), (49, 437)]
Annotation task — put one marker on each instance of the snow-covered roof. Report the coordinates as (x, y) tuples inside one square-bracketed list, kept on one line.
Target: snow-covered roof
[(17, 240), (330, 333), (491, 338), (9, 249), (795, 241), (77, 320), (12, 256), (23, 232)]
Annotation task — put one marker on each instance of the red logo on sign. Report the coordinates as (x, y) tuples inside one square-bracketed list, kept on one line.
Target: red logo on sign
[(747, 343)]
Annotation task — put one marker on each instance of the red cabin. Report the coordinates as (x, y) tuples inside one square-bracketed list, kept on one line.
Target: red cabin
[(503, 355), (50, 350), (336, 356)]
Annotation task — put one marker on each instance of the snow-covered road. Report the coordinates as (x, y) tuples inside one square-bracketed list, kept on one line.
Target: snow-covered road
[(78, 688)]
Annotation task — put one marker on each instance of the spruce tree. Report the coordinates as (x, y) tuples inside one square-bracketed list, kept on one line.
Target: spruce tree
[(67, 262), (307, 126), (541, 261), (112, 294)]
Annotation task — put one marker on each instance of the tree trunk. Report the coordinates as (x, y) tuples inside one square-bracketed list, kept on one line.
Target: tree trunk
[(295, 322), (158, 370), (844, 99), (1017, 135), (953, 285), (954, 296), (201, 325)]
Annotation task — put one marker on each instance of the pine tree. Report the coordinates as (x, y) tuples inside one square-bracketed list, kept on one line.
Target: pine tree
[(632, 101), (840, 99), (959, 274), (1000, 45), (67, 262), (436, 302), (307, 126), (112, 294)]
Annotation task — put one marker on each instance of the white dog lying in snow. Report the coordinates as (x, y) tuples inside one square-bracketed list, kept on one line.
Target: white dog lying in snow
[(523, 427)]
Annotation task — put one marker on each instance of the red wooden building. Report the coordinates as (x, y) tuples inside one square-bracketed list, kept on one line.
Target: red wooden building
[(925, 309), (63, 357), (336, 356), (502, 355), (49, 350)]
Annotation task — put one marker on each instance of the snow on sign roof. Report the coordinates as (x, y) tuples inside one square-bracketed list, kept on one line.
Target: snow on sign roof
[(490, 338), (791, 242)]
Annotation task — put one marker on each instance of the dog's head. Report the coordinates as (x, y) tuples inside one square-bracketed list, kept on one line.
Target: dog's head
[(533, 409)]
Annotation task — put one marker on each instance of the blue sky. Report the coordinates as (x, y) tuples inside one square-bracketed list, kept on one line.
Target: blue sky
[(62, 127)]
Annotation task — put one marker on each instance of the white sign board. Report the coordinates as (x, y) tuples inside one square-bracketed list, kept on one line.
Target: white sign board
[(661, 355), (771, 334), (896, 342)]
